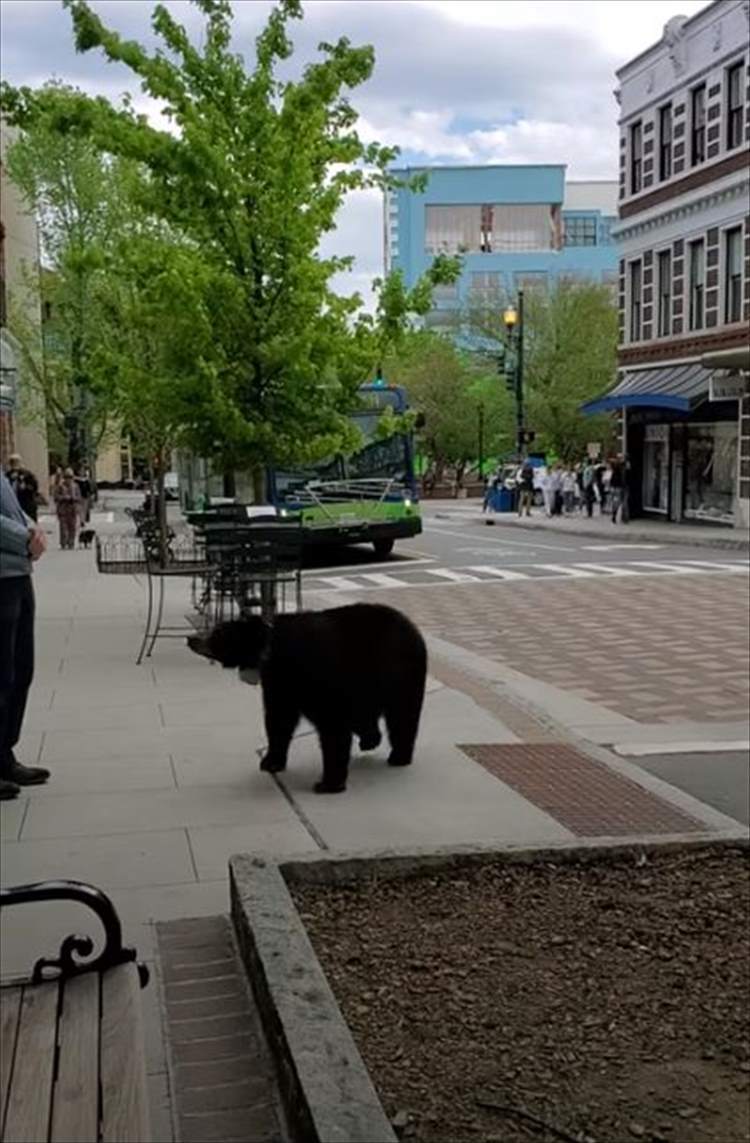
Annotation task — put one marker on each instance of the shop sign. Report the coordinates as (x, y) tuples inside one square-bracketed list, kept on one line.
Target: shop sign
[(657, 433), (593, 448), (728, 386)]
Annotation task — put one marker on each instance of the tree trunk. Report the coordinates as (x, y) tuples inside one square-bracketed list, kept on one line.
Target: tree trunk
[(161, 507), (229, 484), (259, 485)]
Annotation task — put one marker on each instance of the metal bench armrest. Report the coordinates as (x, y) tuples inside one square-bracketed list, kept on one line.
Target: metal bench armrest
[(67, 963)]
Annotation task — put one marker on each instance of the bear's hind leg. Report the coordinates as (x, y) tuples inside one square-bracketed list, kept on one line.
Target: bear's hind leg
[(336, 745), (402, 719), (369, 735)]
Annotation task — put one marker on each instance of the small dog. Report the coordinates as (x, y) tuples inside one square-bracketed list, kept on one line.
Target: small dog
[(86, 537), (342, 669)]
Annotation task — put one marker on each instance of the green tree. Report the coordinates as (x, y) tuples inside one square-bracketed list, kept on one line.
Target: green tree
[(452, 388), (570, 354), (570, 357), (252, 173), (73, 193), (155, 346)]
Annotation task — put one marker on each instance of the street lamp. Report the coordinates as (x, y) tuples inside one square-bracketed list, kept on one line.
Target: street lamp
[(513, 322), (510, 318)]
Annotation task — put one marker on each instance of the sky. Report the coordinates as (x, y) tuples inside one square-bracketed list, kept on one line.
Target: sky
[(455, 81)]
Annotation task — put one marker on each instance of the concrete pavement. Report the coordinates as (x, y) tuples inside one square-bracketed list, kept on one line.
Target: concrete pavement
[(155, 780)]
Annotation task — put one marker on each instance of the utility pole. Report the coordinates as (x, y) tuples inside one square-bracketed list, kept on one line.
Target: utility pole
[(513, 320), (520, 434)]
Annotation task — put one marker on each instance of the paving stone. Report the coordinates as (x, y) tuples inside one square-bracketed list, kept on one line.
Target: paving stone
[(586, 796)]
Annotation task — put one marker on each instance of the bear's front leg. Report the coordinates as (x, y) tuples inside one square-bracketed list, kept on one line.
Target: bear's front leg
[(281, 718), (336, 745)]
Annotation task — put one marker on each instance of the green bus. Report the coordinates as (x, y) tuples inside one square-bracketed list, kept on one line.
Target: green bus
[(368, 497)]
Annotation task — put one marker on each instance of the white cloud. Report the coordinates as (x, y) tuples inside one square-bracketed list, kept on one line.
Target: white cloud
[(455, 81)]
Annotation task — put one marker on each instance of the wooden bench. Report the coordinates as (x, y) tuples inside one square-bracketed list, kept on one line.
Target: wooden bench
[(72, 1049)]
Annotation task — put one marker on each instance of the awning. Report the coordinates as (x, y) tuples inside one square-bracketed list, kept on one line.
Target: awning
[(676, 387)]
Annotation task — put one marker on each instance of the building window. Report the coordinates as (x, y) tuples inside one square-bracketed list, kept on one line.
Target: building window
[(532, 280), (698, 125), (665, 142), (733, 274), (445, 292), (635, 301), (580, 231), (452, 229), (484, 287), (665, 294), (518, 227), (697, 283), (636, 158), (735, 107)]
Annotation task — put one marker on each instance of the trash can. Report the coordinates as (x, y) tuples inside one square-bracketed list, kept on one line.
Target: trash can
[(501, 500)]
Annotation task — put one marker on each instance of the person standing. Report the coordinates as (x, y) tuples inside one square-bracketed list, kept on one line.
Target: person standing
[(525, 488), (85, 489), (569, 490), (24, 484), (21, 542), (588, 487), (618, 489), (67, 498)]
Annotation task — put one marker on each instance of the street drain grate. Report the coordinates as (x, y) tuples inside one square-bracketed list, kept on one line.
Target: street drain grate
[(583, 795)]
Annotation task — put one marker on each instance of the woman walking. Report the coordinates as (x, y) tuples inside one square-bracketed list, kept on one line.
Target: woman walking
[(67, 498)]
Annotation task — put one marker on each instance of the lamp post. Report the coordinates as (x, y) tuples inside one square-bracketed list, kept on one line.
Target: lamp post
[(480, 442), (513, 322)]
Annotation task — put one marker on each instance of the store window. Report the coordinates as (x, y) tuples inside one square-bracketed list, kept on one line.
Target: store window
[(656, 468), (711, 471)]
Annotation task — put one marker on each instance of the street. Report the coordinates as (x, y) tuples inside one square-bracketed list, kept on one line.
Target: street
[(456, 548)]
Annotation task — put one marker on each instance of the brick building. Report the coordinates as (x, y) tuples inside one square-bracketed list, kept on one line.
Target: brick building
[(684, 268)]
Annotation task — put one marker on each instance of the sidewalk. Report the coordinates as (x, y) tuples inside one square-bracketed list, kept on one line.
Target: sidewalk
[(640, 530), (155, 779)]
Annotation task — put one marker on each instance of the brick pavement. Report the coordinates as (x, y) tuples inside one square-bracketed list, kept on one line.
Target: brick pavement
[(655, 650), (221, 1072), (587, 797)]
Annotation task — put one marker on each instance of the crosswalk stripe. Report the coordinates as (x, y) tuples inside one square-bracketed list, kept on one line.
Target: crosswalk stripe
[(382, 580), (341, 582), (500, 573), (485, 573), (568, 569), (608, 569), (453, 577), (734, 566), (674, 568)]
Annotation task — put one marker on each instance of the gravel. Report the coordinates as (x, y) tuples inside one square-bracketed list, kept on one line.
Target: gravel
[(507, 1003)]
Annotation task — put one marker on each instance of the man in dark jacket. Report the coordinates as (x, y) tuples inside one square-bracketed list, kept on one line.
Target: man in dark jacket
[(21, 542), (24, 484)]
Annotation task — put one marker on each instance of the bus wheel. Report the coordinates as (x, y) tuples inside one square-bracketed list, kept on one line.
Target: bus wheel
[(382, 547)]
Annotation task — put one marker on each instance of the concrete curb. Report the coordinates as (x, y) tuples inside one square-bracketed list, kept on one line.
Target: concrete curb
[(327, 1092), (393, 864), (630, 534)]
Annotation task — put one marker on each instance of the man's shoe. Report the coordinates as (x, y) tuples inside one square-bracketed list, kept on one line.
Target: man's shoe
[(8, 790), (14, 772)]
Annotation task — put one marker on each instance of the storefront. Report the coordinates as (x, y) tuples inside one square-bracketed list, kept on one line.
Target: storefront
[(682, 438)]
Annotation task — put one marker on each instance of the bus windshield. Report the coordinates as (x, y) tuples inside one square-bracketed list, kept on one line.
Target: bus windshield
[(377, 459)]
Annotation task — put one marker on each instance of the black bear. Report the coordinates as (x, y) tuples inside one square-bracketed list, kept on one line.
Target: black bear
[(343, 669)]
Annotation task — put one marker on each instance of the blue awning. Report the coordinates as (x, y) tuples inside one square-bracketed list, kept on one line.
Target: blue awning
[(676, 387)]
